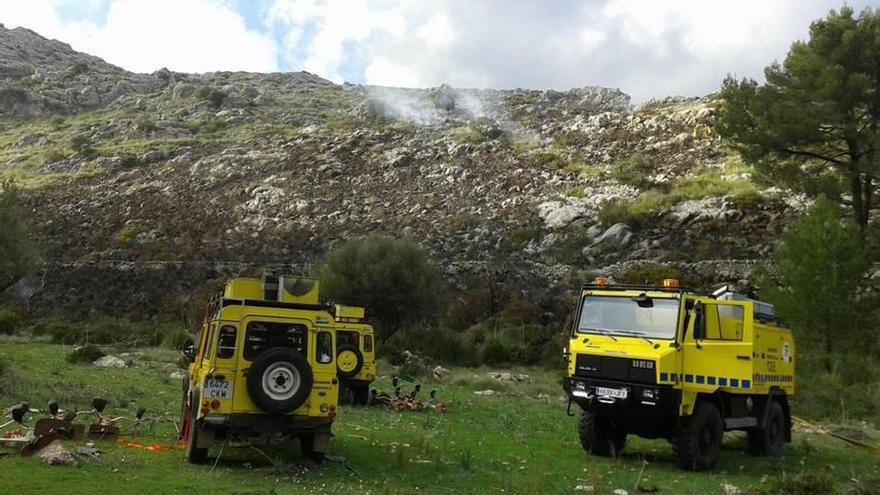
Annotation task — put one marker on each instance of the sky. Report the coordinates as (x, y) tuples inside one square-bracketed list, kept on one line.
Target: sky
[(647, 48)]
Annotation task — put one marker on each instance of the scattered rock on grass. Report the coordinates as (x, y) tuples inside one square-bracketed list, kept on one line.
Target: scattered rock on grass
[(485, 392), (506, 376), (55, 454), (177, 375), (440, 372), (109, 362)]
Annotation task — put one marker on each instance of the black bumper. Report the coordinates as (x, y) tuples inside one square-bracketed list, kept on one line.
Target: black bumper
[(645, 416)]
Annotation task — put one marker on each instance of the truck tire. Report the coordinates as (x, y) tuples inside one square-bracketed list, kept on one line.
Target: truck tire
[(697, 444), (768, 441), (193, 455), (349, 361), (279, 380), (599, 436)]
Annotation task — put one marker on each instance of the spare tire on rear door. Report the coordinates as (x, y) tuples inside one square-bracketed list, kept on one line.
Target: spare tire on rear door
[(279, 380), (349, 361)]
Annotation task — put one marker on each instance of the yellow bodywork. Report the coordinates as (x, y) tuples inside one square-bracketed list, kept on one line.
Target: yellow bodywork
[(240, 307), (739, 355), (350, 319)]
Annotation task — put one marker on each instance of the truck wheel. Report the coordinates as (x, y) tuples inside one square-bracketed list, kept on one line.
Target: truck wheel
[(698, 441), (599, 436), (280, 380), (768, 440), (194, 455)]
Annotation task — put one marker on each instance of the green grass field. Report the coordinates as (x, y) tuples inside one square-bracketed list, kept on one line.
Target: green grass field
[(517, 441)]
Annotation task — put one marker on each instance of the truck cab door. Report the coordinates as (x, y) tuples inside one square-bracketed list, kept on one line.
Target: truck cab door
[(717, 347)]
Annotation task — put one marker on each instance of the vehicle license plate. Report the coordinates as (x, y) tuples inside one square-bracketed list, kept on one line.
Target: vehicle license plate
[(217, 389), (617, 393)]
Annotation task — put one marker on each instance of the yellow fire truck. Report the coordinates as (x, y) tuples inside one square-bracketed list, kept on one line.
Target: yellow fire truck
[(665, 361)]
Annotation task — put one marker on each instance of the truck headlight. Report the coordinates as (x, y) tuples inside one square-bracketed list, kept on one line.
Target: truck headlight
[(580, 386), (650, 394)]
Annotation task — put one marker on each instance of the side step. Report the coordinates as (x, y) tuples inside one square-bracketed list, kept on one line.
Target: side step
[(739, 423)]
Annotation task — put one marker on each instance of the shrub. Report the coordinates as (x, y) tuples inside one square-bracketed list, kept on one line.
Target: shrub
[(101, 331), (53, 154), (81, 144), (127, 234), (9, 321), (176, 339), (823, 259), (497, 351), (634, 170), (392, 278), (85, 354), (650, 273)]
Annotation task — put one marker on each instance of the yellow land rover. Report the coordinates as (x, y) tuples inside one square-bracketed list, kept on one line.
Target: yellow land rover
[(670, 362), (263, 369), (355, 353)]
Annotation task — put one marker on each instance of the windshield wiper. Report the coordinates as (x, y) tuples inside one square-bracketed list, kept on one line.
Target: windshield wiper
[(600, 332), (640, 335)]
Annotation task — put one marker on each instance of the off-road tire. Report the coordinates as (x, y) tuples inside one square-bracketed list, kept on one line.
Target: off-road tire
[(193, 454), (599, 436), (697, 444), (358, 365), (306, 444), (289, 360), (768, 441)]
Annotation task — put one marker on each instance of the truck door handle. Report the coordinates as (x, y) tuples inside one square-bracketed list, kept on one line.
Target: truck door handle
[(744, 358)]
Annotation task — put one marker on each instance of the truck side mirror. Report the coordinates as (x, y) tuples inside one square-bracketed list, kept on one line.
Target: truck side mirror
[(699, 322)]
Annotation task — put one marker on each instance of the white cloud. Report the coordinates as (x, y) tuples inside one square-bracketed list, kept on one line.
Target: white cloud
[(183, 35), (646, 47)]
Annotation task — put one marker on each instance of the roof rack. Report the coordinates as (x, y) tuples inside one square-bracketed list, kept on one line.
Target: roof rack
[(658, 288)]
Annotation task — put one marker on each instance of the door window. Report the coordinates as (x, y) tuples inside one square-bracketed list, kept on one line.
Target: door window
[(324, 348), (263, 335), (226, 342), (724, 322), (368, 343)]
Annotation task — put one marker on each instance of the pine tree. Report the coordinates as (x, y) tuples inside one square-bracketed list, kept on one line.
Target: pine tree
[(814, 126)]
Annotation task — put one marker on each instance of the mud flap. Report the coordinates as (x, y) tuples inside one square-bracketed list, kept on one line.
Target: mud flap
[(321, 441), (205, 438)]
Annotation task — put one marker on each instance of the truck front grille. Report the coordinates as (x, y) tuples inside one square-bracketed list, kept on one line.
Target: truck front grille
[(616, 368)]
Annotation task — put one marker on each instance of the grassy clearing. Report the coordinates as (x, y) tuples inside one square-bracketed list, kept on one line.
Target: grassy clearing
[(516, 441)]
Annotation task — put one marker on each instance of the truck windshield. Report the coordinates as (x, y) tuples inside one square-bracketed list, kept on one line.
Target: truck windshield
[(623, 316)]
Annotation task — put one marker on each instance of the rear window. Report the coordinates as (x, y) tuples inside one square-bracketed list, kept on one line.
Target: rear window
[(347, 338), (263, 335)]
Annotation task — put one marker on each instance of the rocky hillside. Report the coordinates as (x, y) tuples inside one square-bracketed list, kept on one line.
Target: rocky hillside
[(143, 186)]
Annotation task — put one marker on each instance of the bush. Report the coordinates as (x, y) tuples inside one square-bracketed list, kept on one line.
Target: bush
[(81, 144), (392, 278), (176, 339), (9, 321), (651, 273), (823, 259), (634, 171), (101, 331), (85, 354), (496, 351)]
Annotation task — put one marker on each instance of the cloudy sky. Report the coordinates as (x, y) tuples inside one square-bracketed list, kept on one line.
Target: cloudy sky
[(648, 48)]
